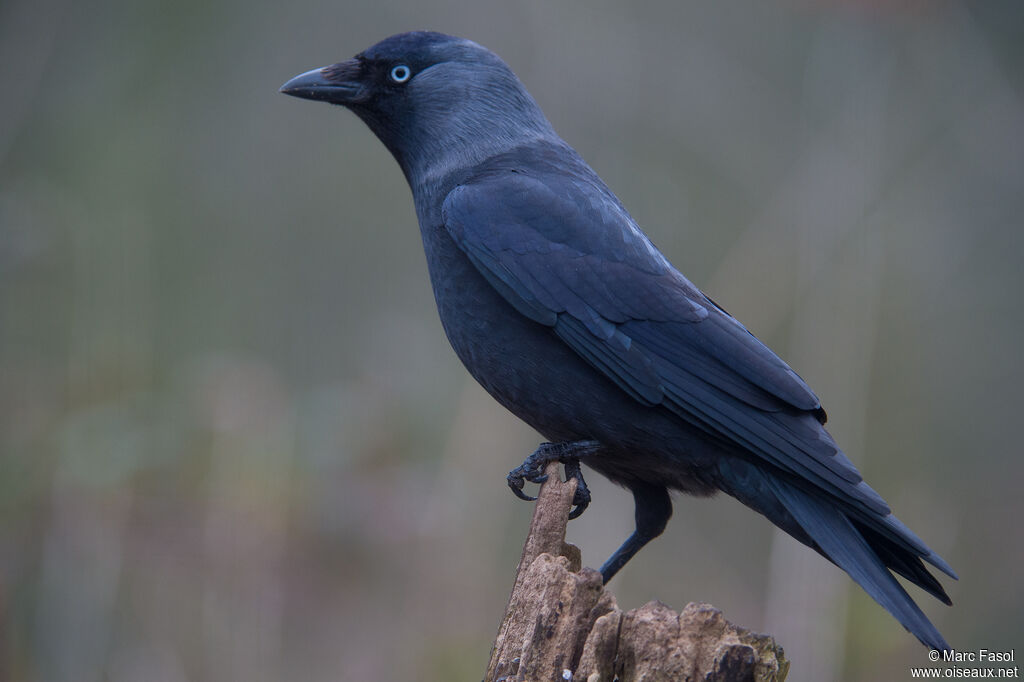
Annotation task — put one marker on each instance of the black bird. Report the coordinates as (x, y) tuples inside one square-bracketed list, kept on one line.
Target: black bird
[(565, 312)]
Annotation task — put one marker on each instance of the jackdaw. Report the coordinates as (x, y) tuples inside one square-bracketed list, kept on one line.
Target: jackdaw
[(566, 313)]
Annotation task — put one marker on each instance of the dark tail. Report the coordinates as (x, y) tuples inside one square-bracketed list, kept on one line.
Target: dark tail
[(866, 551)]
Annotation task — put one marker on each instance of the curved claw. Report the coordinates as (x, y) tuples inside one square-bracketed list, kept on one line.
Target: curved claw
[(581, 506), (518, 492), (581, 499), (517, 480), (578, 510)]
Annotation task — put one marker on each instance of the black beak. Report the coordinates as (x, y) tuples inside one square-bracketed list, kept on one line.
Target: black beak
[(338, 84)]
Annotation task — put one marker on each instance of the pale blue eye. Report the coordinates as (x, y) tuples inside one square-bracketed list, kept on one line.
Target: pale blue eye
[(401, 73)]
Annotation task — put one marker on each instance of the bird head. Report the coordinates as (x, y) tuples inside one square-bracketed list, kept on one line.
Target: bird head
[(436, 101)]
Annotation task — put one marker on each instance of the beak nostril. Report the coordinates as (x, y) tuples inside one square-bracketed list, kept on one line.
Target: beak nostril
[(343, 72)]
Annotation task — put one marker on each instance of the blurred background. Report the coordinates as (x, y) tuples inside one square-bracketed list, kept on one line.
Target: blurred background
[(235, 445)]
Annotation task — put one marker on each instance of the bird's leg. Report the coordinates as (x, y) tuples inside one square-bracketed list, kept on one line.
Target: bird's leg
[(653, 509), (568, 453)]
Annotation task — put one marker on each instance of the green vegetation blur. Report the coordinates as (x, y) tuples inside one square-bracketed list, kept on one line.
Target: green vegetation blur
[(234, 443)]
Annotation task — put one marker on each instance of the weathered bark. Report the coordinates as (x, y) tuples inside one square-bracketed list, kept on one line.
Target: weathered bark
[(561, 624)]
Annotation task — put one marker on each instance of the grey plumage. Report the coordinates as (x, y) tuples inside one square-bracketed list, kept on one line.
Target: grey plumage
[(565, 312)]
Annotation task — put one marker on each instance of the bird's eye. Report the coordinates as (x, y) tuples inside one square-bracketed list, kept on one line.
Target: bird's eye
[(401, 73)]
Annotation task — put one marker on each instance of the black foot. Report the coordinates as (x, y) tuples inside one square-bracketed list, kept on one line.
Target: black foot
[(531, 470), (581, 500), (569, 453)]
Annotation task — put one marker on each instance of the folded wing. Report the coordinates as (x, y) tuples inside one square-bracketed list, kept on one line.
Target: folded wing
[(561, 249)]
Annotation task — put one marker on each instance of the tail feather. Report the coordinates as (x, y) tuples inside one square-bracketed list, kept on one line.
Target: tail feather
[(907, 565), (902, 539), (840, 540)]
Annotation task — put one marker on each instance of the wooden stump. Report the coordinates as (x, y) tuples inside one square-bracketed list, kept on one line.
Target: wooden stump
[(561, 624)]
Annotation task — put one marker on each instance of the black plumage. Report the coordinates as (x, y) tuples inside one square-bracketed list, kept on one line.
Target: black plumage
[(566, 313)]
